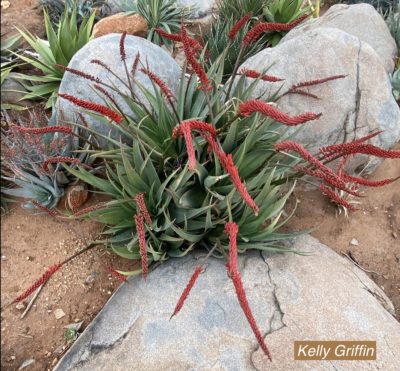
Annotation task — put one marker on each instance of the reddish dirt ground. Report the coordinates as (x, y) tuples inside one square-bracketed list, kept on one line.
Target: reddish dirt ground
[(29, 244), (23, 14)]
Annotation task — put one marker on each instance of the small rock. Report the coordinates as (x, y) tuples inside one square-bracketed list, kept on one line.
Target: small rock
[(3, 257), (59, 313), (91, 277), (54, 361), (119, 23), (13, 358), (354, 242), (20, 306), (394, 234)]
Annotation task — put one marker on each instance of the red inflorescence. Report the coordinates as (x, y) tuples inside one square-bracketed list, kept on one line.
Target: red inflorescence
[(135, 64), (80, 73), (59, 159), (161, 84), (42, 280), (52, 213), (232, 229), (106, 93), (261, 27), (343, 147), (45, 130), (191, 58), (255, 105), (101, 64), (255, 75), (187, 290), (140, 230), (89, 209), (142, 208), (238, 26), (317, 82), (368, 183), (229, 166), (122, 51), (202, 127), (103, 110), (168, 36)]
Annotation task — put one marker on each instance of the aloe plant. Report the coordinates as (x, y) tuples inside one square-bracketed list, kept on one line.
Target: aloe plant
[(58, 50)]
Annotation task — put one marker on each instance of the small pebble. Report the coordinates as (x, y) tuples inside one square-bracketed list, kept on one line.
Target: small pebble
[(20, 306), (59, 313), (354, 242)]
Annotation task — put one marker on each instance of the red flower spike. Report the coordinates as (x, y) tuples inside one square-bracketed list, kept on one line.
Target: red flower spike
[(101, 64), (334, 197), (59, 159), (202, 127), (80, 74), (369, 183), (52, 213), (190, 56), (238, 26), (42, 280), (186, 291), (317, 82), (187, 134), (241, 295), (256, 105), (139, 220), (258, 29), (161, 84), (350, 145), (232, 230), (103, 110), (45, 130), (255, 75), (117, 275), (89, 209), (302, 92), (122, 51), (168, 36), (106, 93), (83, 120), (229, 166), (142, 208), (329, 178), (135, 64), (368, 149)]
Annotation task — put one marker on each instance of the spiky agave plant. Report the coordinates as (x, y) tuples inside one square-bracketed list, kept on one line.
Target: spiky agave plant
[(30, 158)]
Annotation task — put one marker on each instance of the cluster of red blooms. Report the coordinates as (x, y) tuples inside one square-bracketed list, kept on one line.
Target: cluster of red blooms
[(42, 280), (116, 274), (254, 34), (257, 75), (238, 26), (80, 74), (161, 84), (89, 209), (209, 133), (340, 179), (43, 130), (191, 48), (103, 110), (52, 213), (142, 215), (256, 105), (59, 159)]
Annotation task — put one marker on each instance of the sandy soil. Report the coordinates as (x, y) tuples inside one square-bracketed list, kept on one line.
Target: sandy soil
[(23, 14), (29, 244)]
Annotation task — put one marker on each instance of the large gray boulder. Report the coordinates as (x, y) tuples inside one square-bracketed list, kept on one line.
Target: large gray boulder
[(351, 107), (106, 49), (293, 297), (360, 20)]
